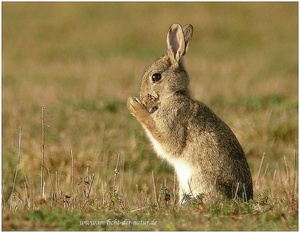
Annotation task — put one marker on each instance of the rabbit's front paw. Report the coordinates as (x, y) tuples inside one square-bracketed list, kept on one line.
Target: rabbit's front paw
[(136, 108)]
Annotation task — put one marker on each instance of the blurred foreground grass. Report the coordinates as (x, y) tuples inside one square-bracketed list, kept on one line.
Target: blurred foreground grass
[(82, 61)]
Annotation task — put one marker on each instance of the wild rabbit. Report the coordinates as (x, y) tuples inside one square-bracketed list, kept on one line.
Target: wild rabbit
[(205, 153)]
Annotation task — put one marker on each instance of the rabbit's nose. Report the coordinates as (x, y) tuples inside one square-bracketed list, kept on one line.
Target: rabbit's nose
[(151, 97)]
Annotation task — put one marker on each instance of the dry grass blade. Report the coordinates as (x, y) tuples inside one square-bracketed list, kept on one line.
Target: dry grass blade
[(26, 195), (174, 190), (17, 168), (295, 187), (90, 187), (72, 179), (259, 170), (43, 155), (236, 190), (287, 170), (56, 184), (116, 173), (273, 182), (155, 191), (52, 198)]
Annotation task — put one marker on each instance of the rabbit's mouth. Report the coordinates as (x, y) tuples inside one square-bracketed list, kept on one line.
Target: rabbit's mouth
[(153, 109), (151, 103)]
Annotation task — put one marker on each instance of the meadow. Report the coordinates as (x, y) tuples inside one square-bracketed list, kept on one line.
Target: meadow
[(67, 71)]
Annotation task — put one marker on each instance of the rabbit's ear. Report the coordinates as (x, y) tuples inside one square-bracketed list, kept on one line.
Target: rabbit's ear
[(188, 33), (176, 43)]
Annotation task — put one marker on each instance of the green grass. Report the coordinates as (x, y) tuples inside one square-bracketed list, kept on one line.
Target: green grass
[(83, 60)]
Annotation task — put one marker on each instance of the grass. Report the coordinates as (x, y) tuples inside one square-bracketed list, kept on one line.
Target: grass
[(83, 60)]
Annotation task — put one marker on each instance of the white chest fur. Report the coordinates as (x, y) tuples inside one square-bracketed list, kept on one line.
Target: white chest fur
[(182, 169), (184, 173)]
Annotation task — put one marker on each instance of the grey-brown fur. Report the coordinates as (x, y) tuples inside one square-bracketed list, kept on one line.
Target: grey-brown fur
[(205, 153)]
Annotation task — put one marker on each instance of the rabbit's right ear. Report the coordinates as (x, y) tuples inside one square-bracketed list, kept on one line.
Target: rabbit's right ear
[(188, 33), (175, 43)]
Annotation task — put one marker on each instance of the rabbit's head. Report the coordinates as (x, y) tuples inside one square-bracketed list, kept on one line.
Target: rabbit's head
[(167, 76)]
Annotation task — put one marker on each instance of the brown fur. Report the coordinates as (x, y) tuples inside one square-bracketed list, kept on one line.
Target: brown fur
[(204, 151)]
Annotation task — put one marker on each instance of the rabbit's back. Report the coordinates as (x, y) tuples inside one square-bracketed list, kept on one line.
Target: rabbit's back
[(222, 158)]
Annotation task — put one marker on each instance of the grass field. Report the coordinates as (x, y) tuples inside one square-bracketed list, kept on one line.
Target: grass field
[(83, 60)]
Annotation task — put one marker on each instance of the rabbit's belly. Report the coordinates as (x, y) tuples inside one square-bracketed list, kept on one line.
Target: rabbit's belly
[(184, 173), (182, 169)]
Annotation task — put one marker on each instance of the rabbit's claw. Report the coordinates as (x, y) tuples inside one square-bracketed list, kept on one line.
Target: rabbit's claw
[(135, 107)]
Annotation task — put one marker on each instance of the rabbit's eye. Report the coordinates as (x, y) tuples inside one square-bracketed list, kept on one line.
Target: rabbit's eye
[(156, 77)]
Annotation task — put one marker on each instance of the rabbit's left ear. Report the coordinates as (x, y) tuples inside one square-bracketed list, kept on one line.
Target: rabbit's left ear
[(178, 40), (175, 43)]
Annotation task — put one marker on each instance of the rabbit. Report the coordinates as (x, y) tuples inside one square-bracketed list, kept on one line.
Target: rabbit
[(206, 155)]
